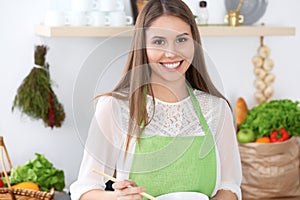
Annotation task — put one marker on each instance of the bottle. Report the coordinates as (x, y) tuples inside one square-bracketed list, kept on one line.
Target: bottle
[(203, 13)]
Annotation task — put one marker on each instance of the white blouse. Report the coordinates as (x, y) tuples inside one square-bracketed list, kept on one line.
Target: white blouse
[(106, 142)]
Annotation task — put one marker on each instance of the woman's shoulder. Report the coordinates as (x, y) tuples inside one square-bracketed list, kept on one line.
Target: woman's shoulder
[(109, 103), (211, 101), (204, 96)]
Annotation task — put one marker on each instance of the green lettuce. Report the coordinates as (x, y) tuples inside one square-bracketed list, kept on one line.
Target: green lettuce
[(41, 172), (276, 114)]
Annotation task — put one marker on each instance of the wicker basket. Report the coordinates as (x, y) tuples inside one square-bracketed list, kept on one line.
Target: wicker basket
[(10, 193)]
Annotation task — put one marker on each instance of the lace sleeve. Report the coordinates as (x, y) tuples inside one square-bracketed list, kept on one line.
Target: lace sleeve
[(102, 148), (231, 170)]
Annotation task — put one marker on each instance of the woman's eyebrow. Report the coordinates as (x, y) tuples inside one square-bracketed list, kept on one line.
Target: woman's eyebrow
[(183, 34), (157, 37), (162, 37)]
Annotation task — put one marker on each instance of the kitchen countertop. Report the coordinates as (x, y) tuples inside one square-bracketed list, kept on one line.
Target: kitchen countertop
[(286, 198), (65, 196), (61, 196)]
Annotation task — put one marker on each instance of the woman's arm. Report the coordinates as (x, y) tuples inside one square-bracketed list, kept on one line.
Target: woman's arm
[(98, 195), (230, 162), (101, 151), (123, 190)]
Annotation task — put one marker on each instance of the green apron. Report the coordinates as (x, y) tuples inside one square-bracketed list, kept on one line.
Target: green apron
[(164, 164)]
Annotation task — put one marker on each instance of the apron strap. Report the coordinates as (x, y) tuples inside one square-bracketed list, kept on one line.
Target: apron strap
[(199, 112), (209, 143)]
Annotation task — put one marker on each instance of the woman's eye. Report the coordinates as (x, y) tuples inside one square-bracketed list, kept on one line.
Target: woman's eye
[(183, 39), (159, 42)]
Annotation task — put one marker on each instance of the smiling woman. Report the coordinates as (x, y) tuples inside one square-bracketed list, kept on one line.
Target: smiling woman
[(164, 121), (170, 51)]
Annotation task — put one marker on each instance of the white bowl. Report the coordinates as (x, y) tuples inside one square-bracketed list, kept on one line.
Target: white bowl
[(183, 196)]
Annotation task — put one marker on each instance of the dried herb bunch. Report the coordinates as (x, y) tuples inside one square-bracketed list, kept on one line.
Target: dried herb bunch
[(35, 96)]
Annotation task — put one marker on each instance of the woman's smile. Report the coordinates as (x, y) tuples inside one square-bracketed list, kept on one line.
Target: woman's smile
[(172, 66)]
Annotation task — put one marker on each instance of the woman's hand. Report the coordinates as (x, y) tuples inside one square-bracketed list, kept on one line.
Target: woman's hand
[(224, 195), (128, 190)]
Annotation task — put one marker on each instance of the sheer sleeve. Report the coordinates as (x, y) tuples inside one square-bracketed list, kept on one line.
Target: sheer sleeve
[(231, 169), (102, 148)]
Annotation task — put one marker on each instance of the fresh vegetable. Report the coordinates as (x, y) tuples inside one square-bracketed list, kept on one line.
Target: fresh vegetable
[(279, 136), (241, 110), (263, 140), (245, 136), (1, 183), (27, 185), (39, 171), (273, 115)]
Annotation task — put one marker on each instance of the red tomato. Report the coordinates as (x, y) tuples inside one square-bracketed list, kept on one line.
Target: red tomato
[(1, 183)]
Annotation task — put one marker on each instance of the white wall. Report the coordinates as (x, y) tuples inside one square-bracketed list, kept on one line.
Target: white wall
[(77, 71)]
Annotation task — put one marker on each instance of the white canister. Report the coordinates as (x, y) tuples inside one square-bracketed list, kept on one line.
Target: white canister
[(119, 18), (110, 5), (98, 18), (77, 18), (82, 5)]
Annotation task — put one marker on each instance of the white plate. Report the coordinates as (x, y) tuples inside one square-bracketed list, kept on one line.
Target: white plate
[(252, 10), (183, 196)]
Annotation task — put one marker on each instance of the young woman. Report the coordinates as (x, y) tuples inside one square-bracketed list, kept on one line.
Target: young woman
[(165, 127)]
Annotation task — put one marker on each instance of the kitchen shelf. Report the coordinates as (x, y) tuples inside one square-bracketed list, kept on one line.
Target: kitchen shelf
[(211, 30)]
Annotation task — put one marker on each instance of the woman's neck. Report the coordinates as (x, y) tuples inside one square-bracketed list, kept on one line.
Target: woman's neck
[(170, 93)]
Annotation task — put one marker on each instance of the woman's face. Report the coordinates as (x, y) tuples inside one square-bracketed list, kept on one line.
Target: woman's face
[(170, 49)]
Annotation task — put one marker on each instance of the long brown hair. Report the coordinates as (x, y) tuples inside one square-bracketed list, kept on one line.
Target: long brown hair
[(136, 75)]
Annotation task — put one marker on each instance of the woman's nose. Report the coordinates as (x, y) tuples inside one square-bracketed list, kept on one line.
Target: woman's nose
[(170, 51), (169, 54)]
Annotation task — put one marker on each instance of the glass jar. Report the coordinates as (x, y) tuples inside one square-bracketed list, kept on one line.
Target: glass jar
[(202, 17)]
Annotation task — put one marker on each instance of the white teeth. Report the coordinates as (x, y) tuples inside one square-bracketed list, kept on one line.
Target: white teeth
[(172, 65)]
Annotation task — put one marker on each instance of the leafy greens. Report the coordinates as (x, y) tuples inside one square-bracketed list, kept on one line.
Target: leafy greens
[(276, 114), (41, 172)]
